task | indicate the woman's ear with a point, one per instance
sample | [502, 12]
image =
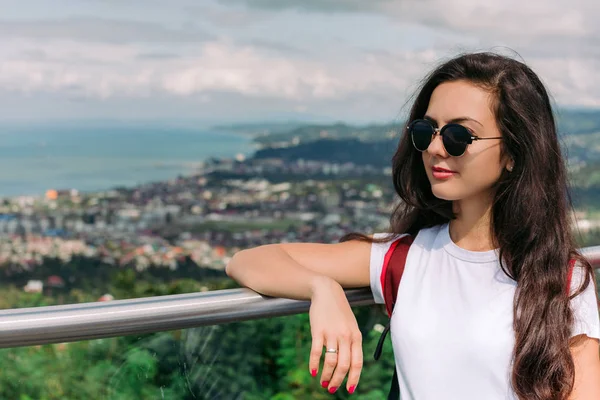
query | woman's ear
[510, 165]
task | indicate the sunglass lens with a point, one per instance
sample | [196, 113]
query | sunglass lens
[421, 132]
[456, 138]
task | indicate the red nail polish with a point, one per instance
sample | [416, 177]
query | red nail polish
[352, 388]
[313, 372]
[325, 384]
[332, 389]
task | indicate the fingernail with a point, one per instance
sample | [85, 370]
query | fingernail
[313, 372]
[352, 388]
[332, 389]
[325, 384]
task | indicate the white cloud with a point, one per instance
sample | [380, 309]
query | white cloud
[572, 81]
[108, 70]
[314, 5]
[508, 17]
[70, 67]
[103, 58]
[104, 70]
[100, 30]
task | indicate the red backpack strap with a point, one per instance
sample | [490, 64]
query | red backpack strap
[393, 268]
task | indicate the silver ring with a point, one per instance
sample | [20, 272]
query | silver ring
[331, 351]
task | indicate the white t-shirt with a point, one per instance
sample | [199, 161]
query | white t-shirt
[452, 326]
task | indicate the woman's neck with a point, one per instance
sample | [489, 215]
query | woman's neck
[471, 229]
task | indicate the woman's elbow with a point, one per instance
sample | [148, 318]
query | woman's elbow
[231, 265]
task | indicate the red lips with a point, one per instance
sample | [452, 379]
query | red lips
[442, 173]
[438, 169]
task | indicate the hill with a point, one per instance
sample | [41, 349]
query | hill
[278, 134]
[377, 153]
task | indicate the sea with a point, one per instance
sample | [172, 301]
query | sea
[95, 157]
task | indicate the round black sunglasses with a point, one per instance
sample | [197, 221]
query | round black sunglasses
[455, 137]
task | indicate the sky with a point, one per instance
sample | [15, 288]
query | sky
[231, 61]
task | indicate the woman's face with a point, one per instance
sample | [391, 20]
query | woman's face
[478, 169]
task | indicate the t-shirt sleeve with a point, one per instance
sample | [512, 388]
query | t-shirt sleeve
[584, 306]
[378, 252]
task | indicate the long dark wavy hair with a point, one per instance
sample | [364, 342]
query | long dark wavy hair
[530, 222]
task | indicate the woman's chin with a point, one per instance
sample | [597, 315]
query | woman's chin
[443, 192]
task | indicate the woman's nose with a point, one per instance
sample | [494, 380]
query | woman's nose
[436, 147]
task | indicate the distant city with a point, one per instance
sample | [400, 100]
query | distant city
[297, 187]
[207, 216]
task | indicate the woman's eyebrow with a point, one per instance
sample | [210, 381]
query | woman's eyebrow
[453, 120]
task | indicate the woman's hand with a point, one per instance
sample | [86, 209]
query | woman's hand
[334, 326]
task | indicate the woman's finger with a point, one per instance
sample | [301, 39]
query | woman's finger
[343, 364]
[356, 364]
[329, 362]
[315, 354]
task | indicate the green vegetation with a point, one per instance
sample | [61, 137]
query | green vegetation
[262, 359]
[377, 153]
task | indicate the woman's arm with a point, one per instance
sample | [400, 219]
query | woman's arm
[318, 272]
[291, 270]
[586, 356]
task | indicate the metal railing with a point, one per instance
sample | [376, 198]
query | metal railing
[67, 323]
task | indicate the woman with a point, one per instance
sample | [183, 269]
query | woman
[486, 308]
